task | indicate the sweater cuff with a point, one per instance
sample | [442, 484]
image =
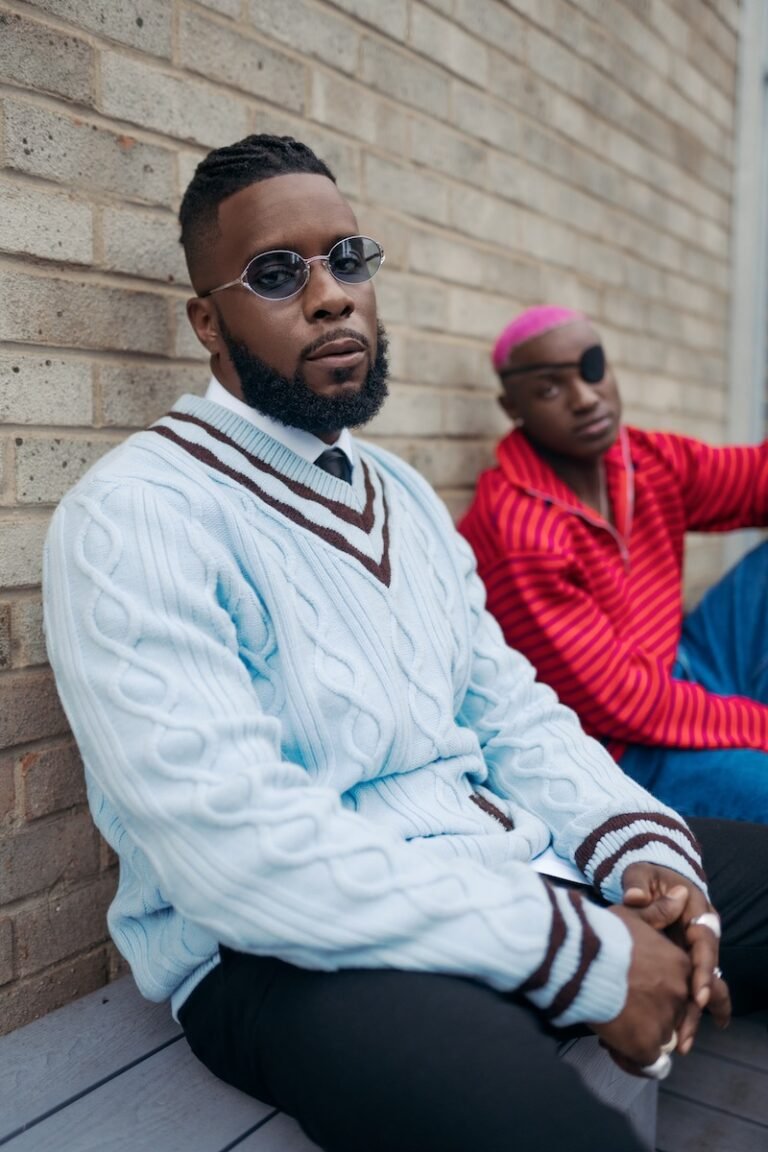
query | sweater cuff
[632, 837]
[583, 976]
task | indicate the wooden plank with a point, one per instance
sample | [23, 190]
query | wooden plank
[166, 1103]
[687, 1127]
[721, 1084]
[56, 1058]
[281, 1134]
[745, 1039]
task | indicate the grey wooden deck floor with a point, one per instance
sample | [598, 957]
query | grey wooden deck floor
[111, 1073]
[716, 1099]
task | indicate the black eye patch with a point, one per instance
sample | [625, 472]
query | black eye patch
[590, 366]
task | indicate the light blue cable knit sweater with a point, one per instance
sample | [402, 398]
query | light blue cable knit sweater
[305, 738]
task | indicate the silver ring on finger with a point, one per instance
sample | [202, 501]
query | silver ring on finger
[660, 1068]
[709, 920]
[717, 973]
[668, 1048]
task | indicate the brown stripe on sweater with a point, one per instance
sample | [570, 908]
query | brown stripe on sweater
[491, 810]
[590, 949]
[381, 570]
[586, 850]
[363, 520]
[640, 841]
[556, 937]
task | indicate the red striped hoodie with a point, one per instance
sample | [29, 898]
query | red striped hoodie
[597, 609]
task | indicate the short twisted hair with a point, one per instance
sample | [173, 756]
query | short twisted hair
[225, 171]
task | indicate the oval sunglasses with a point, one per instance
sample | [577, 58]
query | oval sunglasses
[281, 274]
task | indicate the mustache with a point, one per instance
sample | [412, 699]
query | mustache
[335, 334]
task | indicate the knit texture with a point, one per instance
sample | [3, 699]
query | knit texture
[597, 608]
[305, 738]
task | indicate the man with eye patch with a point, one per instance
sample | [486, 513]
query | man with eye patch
[335, 792]
[579, 533]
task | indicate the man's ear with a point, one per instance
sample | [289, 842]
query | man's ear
[203, 319]
[505, 403]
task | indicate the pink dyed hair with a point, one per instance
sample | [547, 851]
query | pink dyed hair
[532, 322]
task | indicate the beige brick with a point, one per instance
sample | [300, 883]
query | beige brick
[29, 707]
[143, 243]
[5, 636]
[408, 408]
[47, 468]
[443, 41]
[182, 108]
[447, 152]
[477, 415]
[450, 259]
[417, 302]
[427, 359]
[417, 84]
[486, 217]
[495, 23]
[335, 100]
[480, 315]
[53, 780]
[134, 395]
[245, 63]
[7, 790]
[82, 155]
[229, 8]
[449, 463]
[47, 853]
[57, 927]
[406, 189]
[56, 227]
[27, 633]
[134, 22]
[391, 17]
[7, 972]
[44, 59]
[44, 390]
[308, 29]
[22, 551]
[23, 1001]
[80, 314]
[485, 118]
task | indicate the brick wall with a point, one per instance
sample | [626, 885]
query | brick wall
[576, 151]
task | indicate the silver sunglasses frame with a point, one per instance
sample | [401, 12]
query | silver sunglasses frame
[307, 269]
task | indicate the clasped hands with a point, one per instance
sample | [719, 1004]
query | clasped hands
[673, 974]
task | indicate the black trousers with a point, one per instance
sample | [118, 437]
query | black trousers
[390, 1061]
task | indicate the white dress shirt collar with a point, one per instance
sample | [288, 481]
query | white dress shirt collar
[304, 444]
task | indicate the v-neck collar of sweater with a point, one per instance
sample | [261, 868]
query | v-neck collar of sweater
[352, 518]
[256, 442]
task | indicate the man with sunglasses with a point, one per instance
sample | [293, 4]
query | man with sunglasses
[579, 537]
[323, 771]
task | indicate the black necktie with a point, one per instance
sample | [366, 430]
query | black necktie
[336, 463]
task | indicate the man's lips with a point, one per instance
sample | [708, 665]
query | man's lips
[595, 426]
[335, 348]
[342, 353]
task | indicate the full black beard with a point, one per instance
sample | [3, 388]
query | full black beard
[292, 402]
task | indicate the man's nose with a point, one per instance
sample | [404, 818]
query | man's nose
[581, 395]
[324, 295]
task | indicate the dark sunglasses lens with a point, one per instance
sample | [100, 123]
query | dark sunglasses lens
[276, 275]
[592, 364]
[356, 259]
